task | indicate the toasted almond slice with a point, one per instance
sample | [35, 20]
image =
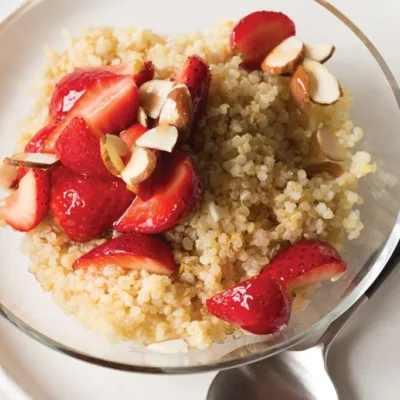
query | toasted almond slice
[330, 146]
[32, 160]
[142, 117]
[319, 52]
[152, 96]
[332, 168]
[324, 87]
[112, 150]
[178, 109]
[140, 166]
[285, 57]
[162, 137]
[171, 346]
[300, 90]
[8, 176]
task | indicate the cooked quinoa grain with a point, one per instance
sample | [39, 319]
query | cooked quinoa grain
[251, 150]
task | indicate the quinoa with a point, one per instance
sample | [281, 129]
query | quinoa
[251, 149]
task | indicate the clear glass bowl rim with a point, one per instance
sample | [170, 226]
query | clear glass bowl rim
[385, 253]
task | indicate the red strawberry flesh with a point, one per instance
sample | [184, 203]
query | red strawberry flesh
[78, 149]
[25, 208]
[257, 34]
[145, 74]
[109, 105]
[133, 133]
[131, 251]
[305, 263]
[69, 90]
[85, 207]
[195, 74]
[260, 305]
[178, 193]
[145, 190]
[36, 144]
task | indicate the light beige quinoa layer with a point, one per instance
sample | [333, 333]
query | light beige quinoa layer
[251, 150]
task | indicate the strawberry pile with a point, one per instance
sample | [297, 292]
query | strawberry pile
[105, 162]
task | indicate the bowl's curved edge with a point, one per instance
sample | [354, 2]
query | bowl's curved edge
[384, 256]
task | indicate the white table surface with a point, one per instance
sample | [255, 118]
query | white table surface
[364, 362]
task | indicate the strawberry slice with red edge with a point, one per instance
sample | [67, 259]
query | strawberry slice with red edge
[25, 208]
[145, 74]
[257, 34]
[84, 207]
[131, 251]
[195, 74]
[35, 145]
[260, 305]
[133, 133]
[78, 149]
[305, 263]
[70, 89]
[178, 193]
[145, 189]
[109, 105]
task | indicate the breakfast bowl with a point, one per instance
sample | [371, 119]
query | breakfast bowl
[270, 175]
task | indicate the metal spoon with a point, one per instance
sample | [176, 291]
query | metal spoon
[292, 375]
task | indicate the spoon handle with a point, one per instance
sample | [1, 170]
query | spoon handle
[387, 270]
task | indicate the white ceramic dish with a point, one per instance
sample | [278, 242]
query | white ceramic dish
[23, 36]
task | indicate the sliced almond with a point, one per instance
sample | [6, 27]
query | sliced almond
[332, 168]
[8, 176]
[112, 150]
[152, 96]
[300, 90]
[140, 166]
[178, 109]
[171, 346]
[319, 52]
[330, 146]
[324, 87]
[285, 57]
[32, 160]
[162, 137]
[142, 117]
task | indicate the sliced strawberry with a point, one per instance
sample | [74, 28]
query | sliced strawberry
[109, 105]
[85, 207]
[35, 145]
[260, 305]
[69, 90]
[78, 148]
[25, 208]
[130, 135]
[145, 74]
[146, 189]
[131, 251]
[257, 34]
[179, 192]
[305, 263]
[195, 74]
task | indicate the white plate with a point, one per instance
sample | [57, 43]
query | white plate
[16, 78]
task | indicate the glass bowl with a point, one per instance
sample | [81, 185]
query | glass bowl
[357, 64]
